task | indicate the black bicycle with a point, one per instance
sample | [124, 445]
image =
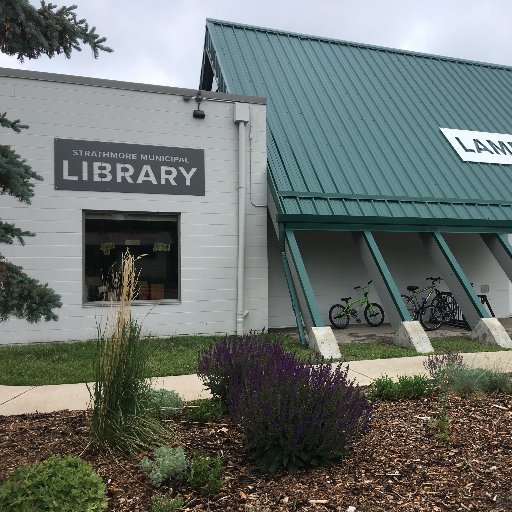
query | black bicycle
[430, 313]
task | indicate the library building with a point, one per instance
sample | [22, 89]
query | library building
[301, 168]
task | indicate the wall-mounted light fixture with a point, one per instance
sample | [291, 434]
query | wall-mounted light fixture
[198, 113]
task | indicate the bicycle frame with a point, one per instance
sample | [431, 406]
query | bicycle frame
[339, 314]
[357, 303]
[414, 296]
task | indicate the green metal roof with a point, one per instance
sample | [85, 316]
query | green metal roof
[354, 130]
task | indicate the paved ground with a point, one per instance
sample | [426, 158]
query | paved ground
[26, 399]
[361, 333]
[23, 399]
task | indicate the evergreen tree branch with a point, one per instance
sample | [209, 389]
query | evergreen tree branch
[24, 297]
[13, 125]
[9, 233]
[16, 175]
[28, 32]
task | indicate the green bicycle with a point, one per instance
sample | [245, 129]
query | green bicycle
[339, 314]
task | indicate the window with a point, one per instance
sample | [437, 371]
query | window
[153, 237]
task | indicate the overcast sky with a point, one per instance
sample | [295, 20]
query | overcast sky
[161, 41]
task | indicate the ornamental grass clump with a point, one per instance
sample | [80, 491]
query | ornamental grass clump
[122, 419]
[295, 414]
[222, 365]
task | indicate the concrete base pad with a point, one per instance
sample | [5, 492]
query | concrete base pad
[412, 335]
[491, 332]
[323, 341]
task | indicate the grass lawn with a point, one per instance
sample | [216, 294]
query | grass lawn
[363, 351]
[67, 363]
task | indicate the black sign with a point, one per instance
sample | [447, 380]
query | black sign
[113, 167]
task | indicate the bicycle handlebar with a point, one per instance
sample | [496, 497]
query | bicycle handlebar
[434, 278]
[368, 284]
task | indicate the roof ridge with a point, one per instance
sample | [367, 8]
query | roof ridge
[361, 45]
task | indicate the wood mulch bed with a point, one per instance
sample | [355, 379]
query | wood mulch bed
[399, 465]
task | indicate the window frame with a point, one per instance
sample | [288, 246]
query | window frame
[104, 303]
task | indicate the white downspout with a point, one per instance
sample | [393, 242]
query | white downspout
[241, 117]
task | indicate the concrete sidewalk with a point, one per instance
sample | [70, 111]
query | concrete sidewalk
[26, 399]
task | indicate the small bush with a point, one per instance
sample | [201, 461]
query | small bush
[467, 381]
[164, 403]
[295, 414]
[168, 462]
[441, 422]
[204, 410]
[66, 484]
[162, 503]
[206, 474]
[383, 388]
[221, 365]
[407, 388]
[414, 387]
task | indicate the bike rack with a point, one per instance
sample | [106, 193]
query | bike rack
[457, 319]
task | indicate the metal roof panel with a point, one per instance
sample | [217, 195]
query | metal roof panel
[353, 121]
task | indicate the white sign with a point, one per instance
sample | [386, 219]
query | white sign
[484, 147]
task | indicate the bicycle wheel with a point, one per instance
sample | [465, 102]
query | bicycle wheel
[409, 304]
[445, 306]
[338, 317]
[431, 317]
[374, 314]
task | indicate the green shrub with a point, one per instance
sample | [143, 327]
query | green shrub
[467, 381]
[204, 410]
[164, 403]
[206, 474]
[168, 462]
[441, 422]
[162, 503]
[63, 484]
[383, 388]
[414, 387]
[407, 387]
[499, 381]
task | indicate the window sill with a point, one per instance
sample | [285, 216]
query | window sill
[106, 303]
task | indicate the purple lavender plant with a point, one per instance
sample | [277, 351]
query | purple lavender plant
[222, 366]
[437, 364]
[295, 414]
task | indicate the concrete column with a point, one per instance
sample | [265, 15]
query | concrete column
[501, 250]
[408, 333]
[484, 328]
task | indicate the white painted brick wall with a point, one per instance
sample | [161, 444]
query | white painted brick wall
[208, 224]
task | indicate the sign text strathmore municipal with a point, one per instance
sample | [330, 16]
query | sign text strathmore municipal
[116, 167]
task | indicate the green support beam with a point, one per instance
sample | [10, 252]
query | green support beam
[294, 300]
[457, 281]
[311, 306]
[394, 306]
[387, 278]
